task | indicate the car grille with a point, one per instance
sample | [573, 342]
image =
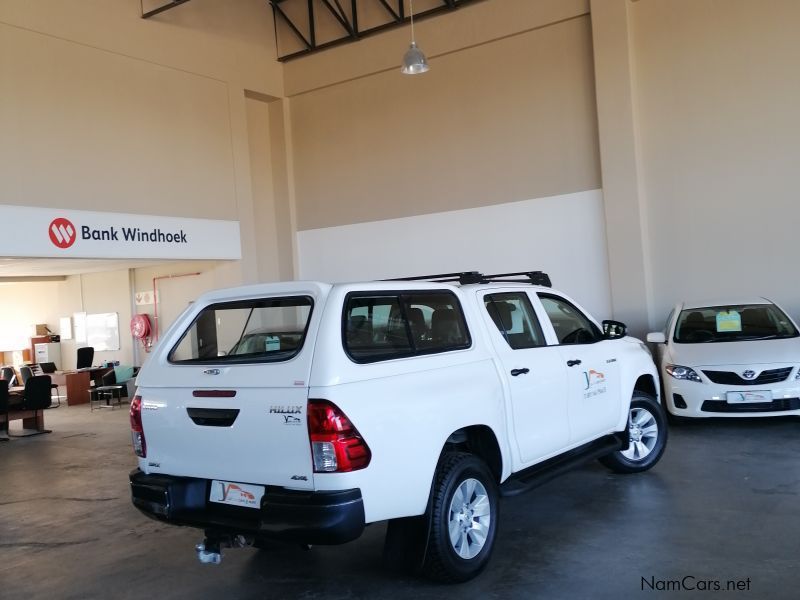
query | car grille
[731, 378]
[720, 406]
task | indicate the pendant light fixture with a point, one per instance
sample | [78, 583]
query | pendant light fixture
[414, 61]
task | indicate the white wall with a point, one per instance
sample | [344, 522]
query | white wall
[561, 235]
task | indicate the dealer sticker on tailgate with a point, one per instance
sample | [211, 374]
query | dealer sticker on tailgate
[236, 494]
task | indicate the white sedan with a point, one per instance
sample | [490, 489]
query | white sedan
[729, 359]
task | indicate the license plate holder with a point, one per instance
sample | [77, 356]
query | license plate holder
[233, 493]
[749, 397]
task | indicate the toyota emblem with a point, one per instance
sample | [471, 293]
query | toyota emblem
[748, 374]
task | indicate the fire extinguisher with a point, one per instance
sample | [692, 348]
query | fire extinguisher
[141, 330]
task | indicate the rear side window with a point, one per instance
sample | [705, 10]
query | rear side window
[257, 330]
[384, 326]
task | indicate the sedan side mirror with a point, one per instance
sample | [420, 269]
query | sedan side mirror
[613, 330]
[657, 337]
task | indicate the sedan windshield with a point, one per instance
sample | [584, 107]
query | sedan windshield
[735, 323]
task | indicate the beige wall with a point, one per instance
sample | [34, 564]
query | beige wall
[718, 92]
[682, 110]
[471, 25]
[24, 304]
[104, 110]
[510, 119]
[93, 130]
[273, 221]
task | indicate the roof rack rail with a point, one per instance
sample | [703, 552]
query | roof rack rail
[468, 277]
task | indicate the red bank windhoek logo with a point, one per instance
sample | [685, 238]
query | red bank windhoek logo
[62, 232]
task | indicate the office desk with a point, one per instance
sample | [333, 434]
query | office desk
[31, 419]
[79, 382]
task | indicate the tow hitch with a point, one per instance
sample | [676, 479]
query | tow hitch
[209, 552]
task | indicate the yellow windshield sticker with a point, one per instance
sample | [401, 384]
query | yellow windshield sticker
[729, 321]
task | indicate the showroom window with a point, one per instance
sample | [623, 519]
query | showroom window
[246, 331]
[384, 326]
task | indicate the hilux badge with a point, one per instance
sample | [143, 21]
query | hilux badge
[286, 410]
[748, 374]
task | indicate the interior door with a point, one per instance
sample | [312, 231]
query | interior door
[592, 369]
[536, 375]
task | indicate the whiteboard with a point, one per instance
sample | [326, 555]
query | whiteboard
[102, 331]
[65, 328]
[79, 318]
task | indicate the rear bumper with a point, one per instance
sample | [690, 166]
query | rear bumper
[308, 517]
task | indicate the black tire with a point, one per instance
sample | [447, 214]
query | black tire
[623, 461]
[442, 561]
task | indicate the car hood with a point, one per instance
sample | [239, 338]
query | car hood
[735, 353]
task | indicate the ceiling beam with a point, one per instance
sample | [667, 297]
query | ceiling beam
[306, 32]
[160, 9]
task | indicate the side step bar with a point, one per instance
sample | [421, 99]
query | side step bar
[537, 475]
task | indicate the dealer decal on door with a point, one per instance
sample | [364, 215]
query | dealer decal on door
[595, 383]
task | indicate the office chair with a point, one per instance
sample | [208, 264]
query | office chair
[8, 374]
[47, 369]
[4, 406]
[85, 357]
[36, 397]
[26, 373]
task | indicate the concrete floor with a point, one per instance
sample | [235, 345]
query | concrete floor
[722, 504]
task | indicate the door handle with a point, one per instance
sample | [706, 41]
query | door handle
[572, 363]
[523, 371]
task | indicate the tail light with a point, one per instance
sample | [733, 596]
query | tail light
[336, 445]
[137, 432]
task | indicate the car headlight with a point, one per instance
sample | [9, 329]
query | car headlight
[685, 373]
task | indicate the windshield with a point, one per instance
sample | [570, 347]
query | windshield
[734, 323]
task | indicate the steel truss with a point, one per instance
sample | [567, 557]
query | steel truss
[348, 21]
[304, 29]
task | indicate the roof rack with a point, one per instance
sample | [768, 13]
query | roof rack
[468, 277]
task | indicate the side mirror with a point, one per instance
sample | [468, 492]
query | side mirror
[657, 337]
[613, 330]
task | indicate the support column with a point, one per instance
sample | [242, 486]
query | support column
[625, 208]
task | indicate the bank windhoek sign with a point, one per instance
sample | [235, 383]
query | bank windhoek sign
[52, 232]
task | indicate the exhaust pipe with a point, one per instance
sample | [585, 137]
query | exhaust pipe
[209, 552]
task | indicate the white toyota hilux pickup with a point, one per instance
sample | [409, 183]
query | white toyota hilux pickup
[305, 411]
